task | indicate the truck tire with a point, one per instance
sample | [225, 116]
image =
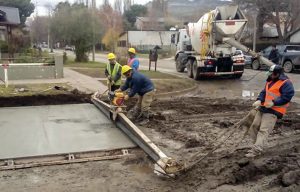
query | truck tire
[255, 64]
[288, 67]
[196, 71]
[189, 67]
[179, 66]
[237, 76]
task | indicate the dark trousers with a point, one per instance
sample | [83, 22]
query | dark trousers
[115, 87]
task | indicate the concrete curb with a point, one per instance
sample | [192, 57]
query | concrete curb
[175, 93]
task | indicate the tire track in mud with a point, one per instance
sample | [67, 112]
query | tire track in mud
[196, 123]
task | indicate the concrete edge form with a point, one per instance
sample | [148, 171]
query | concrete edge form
[61, 159]
[169, 165]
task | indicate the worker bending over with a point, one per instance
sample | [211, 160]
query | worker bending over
[133, 61]
[141, 85]
[271, 105]
[113, 73]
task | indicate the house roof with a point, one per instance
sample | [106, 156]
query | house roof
[293, 32]
[147, 19]
[9, 15]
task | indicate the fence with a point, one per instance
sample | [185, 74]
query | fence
[22, 71]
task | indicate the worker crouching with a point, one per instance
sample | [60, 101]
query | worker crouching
[141, 85]
[113, 73]
[271, 105]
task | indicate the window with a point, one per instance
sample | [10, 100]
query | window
[292, 48]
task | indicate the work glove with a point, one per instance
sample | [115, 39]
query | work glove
[126, 97]
[109, 78]
[269, 104]
[112, 82]
[257, 103]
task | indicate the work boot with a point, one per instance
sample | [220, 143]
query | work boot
[253, 153]
[134, 113]
[144, 115]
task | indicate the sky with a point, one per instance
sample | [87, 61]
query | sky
[41, 10]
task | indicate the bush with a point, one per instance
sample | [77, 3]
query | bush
[65, 57]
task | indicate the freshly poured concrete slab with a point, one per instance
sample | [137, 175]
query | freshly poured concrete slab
[57, 129]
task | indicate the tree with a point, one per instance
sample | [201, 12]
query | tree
[280, 13]
[113, 23]
[109, 39]
[135, 11]
[75, 24]
[26, 8]
[39, 29]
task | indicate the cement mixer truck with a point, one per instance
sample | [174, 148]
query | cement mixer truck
[207, 48]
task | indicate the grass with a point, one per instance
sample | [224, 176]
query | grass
[89, 64]
[32, 89]
[99, 73]
[167, 85]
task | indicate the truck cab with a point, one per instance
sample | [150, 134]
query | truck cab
[183, 48]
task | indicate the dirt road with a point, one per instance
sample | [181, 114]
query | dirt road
[182, 127]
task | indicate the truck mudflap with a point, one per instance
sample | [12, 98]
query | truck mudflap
[220, 73]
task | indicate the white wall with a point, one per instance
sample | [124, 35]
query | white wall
[295, 38]
[150, 38]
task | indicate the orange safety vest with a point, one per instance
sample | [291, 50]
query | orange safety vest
[273, 93]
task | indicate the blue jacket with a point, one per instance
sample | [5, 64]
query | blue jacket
[135, 64]
[274, 56]
[287, 92]
[138, 84]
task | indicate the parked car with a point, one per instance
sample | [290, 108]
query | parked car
[69, 48]
[248, 58]
[289, 57]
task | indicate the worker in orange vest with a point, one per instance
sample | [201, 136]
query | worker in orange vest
[271, 105]
[133, 61]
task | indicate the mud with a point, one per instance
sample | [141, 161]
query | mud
[72, 97]
[182, 128]
[194, 125]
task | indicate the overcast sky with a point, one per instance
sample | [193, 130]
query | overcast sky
[40, 4]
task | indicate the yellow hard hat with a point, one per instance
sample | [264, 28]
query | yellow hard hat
[131, 50]
[125, 69]
[111, 56]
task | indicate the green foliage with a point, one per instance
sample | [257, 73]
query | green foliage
[135, 11]
[25, 7]
[3, 46]
[65, 57]
[75, 24]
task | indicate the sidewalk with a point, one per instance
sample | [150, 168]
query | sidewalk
[77, 80]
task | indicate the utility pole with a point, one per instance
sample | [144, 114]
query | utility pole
[254, 31]
[94, 16]
[49, 7]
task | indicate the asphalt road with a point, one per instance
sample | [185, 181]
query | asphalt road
[251, 83]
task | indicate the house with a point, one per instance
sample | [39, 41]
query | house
[149, 23]
[294, 37]
[9, 17]
[146, 40]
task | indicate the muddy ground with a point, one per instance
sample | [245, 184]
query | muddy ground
[183, 127]
[66, 97]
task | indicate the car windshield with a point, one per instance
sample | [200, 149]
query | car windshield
[292, 48]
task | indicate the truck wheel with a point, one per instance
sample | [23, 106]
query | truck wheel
[255, 65]
[189, 67]
[179, 66]
[196, 71]
[237, 76]
[288, 67]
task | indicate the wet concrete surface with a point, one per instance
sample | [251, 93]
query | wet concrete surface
[57, 129]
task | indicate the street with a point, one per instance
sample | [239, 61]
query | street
[251, 83]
